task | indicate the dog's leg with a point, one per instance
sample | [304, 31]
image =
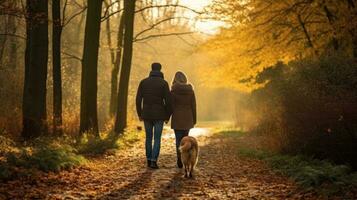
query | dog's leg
[186, 174]
[191, 170]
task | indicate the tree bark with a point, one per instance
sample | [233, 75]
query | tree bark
[116, 67]
[36, 57]
[88, 113]
[121, 117]
[13, 43]
[307, 35]
[353, 30]
[331, 21]
[76, 48]
[351, 4]
[354, 42]
[109, 38]
[56, 60]
[3, 38]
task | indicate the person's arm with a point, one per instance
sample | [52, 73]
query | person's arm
[193, 106]
[139, 100]
[167, 99]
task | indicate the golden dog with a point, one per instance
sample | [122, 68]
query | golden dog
[189, 154]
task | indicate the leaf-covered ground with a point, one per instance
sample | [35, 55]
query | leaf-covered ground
[220, 174]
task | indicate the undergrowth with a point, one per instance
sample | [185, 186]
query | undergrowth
[46, 158]
[89, 145]
[312, 174]
[57, 154]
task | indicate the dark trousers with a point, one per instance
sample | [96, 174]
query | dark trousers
[179, 134]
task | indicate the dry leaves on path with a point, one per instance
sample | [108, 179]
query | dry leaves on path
[220, 174]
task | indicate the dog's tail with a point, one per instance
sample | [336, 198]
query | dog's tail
[185, 147]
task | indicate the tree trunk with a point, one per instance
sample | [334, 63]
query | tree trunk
[56, 58]
[3, 38]
[111, 52]
[307, 35]
[353, 30]
[116, 67]
[13, 43]
[351, 4]
[76, 48]
[354, 43]
[12, 40]
[88, 113]
[36, 57]
[121, 117]
[331, 21]
[109, 39]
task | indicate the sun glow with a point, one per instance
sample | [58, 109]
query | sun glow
[206, 26]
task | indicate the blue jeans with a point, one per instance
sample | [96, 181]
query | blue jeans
[153, 128]
[179, 134]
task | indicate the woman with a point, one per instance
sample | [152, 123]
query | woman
[183, 109]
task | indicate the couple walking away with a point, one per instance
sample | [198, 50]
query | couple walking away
[156, 103]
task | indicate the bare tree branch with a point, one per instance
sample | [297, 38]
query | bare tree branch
[153, 6]
[74, 16]
[64, 11]
[71, 56]
[13, 35]
[156, 24]
[168, 5]
[108, 6]
[160, 35]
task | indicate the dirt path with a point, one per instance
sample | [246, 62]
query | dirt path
[221, 174]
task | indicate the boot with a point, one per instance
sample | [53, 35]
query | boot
[154, 165]
[148, 163]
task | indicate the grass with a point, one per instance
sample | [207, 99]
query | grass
[56, 154]
[89, 145]
[311, 174]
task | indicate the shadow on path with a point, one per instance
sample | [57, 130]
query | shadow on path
[131, 189]
[172, 189]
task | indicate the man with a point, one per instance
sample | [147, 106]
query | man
[153, 107]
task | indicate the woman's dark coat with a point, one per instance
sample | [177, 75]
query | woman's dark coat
[183, 107]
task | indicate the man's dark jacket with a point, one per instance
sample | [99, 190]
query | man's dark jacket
[153, 98]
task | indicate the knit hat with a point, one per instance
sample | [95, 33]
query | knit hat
[156, 66]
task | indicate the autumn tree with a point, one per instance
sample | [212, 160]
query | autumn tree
[56, 62]
[36, 57]
[261, 32]
[8, 37]
[121, 117]
[13, 40]
[88, 110]
[115, 54]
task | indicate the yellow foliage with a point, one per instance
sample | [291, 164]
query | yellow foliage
[263, 32]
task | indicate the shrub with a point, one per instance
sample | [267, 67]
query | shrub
[95, 145]
[5, 172]
[91, 145]
[310, 107]
[47, 158]
[307, 172]
[6, 145]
